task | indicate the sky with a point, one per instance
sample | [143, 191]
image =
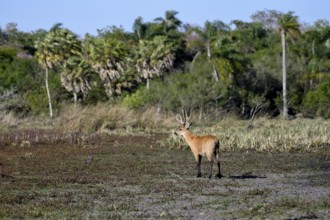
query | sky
[86, 16]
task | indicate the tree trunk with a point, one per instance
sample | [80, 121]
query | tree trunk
[209, 56]
[215, 74]
[208, 48]
[313, 47]
[148, 83]
[48, 95]
[285, 101]
[75, 98]
[195, 57]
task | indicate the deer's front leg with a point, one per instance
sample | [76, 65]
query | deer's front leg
[198, 167]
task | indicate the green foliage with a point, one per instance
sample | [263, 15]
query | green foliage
[22, 76]
[57, 46]
[95, 95]
[195, 91]
[7, 55]
[154, 57]
[36, 99]
[207, 68]
[289, 23]
[21, 71]
[137, 99]
[224, 68]
[318, 100]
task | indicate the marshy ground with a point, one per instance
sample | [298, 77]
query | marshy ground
[132, 177]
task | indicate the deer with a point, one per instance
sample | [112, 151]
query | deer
[200, 146]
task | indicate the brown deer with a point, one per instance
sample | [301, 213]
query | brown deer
[200, 145]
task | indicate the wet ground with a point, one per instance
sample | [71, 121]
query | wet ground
[133, 177]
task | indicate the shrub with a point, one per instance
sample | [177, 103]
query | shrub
[191, 91]
[318, 100]
[136, 99]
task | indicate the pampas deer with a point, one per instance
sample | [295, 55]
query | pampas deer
[200, 145]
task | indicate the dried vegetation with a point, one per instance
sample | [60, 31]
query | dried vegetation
[110, 162]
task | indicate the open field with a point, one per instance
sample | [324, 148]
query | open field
[125, 176]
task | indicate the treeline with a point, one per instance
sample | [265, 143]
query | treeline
[216, 68]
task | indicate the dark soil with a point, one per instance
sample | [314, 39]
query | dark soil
[134, 177]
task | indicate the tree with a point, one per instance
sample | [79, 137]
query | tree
[268, 18]
[317, 44]
[204, 37]
[170, 22]
[56, 47]
[288, 23]
[75, 76]
[318, 99]
[139, 28]
[107, 55]
[154, 57]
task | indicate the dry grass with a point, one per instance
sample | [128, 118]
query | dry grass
[66, 168]
[265, 134]
[275, 135]
[111, 118]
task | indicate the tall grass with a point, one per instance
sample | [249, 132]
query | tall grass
[112, 118]
[272, 134]
[264, 134]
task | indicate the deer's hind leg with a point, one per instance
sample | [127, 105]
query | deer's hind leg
[217, 156]
[198, 158]
[211, 161]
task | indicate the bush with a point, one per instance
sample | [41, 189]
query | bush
[318, 100]
[95, 95]
[191, 91]
[136, 99]
[11, 101]
[7, 56]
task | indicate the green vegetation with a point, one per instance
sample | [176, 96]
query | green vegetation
[169, 65]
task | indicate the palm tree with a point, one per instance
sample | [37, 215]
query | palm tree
[44, 49]
[206, 36]
[139, 28]
[288, 23]
[75, 76]
[107, 56]
[170, 22]
[56, 47]
[154, 57]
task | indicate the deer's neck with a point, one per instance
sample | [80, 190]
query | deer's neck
[188, 136]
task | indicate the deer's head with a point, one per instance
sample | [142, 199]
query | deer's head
[184, 123]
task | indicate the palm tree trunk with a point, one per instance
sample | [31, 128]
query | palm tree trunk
[215, 74]
[285, 101]
[195, 57]
[75, 98]
[209, 56]
[48, 95]
[208, 49]
[148, 83]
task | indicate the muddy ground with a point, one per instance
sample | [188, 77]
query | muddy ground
[129, 177]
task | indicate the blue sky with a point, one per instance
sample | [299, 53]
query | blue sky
[86, 16]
